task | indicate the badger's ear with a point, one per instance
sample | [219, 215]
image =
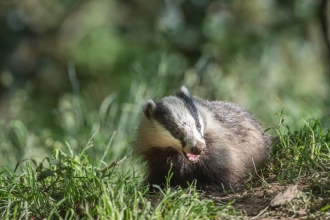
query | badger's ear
[183, 92]
[148, 108]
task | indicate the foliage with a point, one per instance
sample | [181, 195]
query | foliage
[222, 49]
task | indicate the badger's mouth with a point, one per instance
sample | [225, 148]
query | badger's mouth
[191, 157]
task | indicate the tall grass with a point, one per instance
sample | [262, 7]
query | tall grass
[301, 153]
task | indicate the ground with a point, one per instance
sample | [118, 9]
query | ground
[313, 202]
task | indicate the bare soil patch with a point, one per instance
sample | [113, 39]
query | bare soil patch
[313, 201]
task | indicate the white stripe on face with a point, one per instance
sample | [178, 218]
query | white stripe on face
[202, 123]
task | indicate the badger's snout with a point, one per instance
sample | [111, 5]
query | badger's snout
[197, 151]
[197, 148]
[193, 152]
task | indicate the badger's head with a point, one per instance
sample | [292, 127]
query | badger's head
[175, 122]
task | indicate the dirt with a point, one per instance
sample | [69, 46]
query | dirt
[311, 199]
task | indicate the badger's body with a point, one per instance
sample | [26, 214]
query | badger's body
[218, 144]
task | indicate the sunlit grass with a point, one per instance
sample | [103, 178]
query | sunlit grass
[301, 153]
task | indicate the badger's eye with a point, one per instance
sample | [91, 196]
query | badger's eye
[175, 132]
[198, 126]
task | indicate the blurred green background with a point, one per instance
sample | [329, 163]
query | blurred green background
[70, 67]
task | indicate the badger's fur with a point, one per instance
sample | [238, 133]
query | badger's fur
[216, 143]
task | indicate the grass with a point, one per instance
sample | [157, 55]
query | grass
[66, 185]
[301, 152]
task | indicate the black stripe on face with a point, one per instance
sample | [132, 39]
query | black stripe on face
[190, 105]
[164, 116]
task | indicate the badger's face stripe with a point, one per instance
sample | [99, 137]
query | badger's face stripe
[165, 117]
[190, 105]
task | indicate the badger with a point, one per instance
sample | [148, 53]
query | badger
[217, 144]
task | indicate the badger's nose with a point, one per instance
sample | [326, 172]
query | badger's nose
[201, 146]
[196, 150]
[199, 149]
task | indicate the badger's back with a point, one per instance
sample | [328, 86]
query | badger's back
[236, 146]
[236, 142]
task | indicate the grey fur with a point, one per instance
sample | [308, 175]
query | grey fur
[225, 142]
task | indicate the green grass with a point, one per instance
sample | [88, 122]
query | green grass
[301, 153]
[66, 185]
